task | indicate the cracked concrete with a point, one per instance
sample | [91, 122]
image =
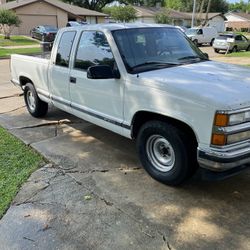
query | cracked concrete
[95, 195]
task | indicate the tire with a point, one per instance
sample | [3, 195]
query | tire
[166, 153]
[234, 49]
[34, 104]
[248, 48]
[216, 50]
[212, 42]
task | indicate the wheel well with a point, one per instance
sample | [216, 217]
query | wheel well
[142, 117]
[24, 80]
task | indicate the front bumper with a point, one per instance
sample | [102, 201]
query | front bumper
[220, 160]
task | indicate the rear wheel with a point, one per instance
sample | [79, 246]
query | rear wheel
[248, 48]
[234, 49]
[34, 104]
[216, 50]
[166, 152]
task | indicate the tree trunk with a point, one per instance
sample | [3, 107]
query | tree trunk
[208, 9]
[199, 18]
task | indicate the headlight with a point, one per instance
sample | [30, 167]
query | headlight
[242, 136]
[224, 135]
[224, 120]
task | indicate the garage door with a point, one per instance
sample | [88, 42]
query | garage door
[31, 21]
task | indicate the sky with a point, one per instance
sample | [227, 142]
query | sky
[235, 1]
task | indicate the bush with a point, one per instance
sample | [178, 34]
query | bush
[8, 20]
[121, 13]
[163, 17]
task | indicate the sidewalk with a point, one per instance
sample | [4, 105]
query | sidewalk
[21, 47]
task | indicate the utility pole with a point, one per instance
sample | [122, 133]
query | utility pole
[193, 15]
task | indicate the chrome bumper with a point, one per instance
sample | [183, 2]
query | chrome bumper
[224, 159]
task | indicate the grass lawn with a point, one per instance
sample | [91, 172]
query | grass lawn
[17, 162]
[7, 52]
[240, 54]
[17, 41]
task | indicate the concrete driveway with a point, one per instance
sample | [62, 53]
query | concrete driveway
[93, 194]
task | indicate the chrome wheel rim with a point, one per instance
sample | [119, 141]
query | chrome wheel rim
[160, 153]
[31, 100]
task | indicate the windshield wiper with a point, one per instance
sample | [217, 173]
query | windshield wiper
[191, 58]
[156, 64]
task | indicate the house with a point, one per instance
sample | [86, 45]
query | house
[48, 12]
[147, 14]
[238, 21]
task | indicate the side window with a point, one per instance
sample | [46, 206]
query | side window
[200, 32]
[244, 38]
[93, 49]
[64, 48]
[238, 38]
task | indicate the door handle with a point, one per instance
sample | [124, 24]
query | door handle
[72, 79]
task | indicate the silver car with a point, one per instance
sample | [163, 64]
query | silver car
[231, 42]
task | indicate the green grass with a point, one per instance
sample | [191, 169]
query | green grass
[240, 54]
[17, 41]
[17, 162]
[8, 52]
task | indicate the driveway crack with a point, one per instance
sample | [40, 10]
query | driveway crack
[11, 96]
[12, 110]
[59, 122]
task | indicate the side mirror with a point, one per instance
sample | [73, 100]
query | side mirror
[206, 55]
[102, 72]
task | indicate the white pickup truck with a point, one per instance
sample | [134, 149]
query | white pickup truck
[148, 83]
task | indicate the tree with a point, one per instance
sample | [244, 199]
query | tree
[201, 5]
[174, 4]
[8, 20]
[121, 13]
[89, 4]
[163, 17]
[240, 6]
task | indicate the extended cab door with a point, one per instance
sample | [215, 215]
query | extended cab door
[97, 100]
[59, 71]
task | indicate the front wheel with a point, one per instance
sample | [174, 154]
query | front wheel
[166, 152]
[212, 42]
[34, 104]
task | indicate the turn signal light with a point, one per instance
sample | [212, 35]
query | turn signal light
[219, 139]
[221, 120]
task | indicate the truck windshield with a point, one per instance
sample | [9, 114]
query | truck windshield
[191, 32]
[144, 49]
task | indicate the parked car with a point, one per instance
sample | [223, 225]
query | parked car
[231, 42]
[75, 23]
[45, 33]
[202, 35]
[149, 83]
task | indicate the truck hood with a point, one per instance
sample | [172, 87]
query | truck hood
[221, 85]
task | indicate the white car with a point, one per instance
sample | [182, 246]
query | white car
[151, 84]
[231, 42]
[202, 35]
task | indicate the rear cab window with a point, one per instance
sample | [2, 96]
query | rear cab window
[64, 48]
